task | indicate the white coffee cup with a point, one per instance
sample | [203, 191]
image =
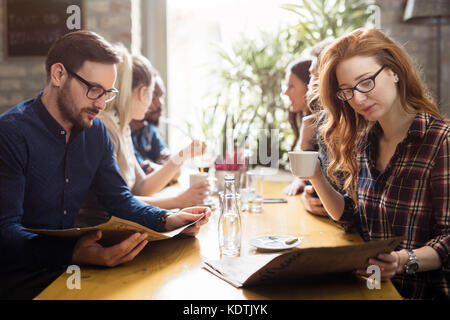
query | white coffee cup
[196, 178]
[303, 163]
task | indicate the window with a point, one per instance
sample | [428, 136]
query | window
[192, 28]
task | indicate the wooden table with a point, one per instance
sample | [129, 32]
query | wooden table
[172, 269]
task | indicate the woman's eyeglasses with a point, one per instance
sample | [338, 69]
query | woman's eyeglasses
[363, 86]
[95, 92]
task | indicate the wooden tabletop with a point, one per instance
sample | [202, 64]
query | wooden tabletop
[172, 269]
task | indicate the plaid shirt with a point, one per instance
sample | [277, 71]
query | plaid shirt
[411, 198]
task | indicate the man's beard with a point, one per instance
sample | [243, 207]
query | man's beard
[69, 111]
[153, 117]
[154, 122]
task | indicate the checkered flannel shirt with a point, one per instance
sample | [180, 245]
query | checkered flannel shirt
[411, 199]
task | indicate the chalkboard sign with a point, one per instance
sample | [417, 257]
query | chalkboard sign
[33, 26]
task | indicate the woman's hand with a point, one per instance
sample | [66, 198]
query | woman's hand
[318, 174]
[193, 196]
[295, 187]
[146, 165]
[196, 148]
[312, 202]
[388, 263]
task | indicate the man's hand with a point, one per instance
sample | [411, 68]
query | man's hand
[313, 204]
[187, 216]
[89, 251]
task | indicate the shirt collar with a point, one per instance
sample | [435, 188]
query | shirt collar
[419, 125]
[52, 125]
[417, 130]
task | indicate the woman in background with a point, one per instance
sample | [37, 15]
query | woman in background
[135, 81]
[297, 77]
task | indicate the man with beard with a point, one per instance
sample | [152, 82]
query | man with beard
[150, 149]
[53, 149]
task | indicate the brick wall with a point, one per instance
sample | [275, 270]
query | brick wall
[420, 42]
[23, 78]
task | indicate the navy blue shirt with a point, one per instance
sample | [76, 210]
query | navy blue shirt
[44, 180]
[148, 143]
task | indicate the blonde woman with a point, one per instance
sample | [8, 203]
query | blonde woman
[135, 82]
[385, 135]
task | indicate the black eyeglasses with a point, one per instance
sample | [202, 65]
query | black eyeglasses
[363, 86]
[95, 92]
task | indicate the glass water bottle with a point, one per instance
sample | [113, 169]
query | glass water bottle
[230, 220]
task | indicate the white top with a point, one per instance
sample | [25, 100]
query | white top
[129, 167]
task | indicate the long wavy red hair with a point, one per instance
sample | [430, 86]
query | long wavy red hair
[343, 129]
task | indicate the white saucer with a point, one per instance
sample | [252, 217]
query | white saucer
[274, 242]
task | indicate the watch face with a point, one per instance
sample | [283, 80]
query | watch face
[412, 268]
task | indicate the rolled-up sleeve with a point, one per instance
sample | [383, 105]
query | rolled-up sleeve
[440, 188]
[350, 217]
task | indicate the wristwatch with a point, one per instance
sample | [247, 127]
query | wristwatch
[163, 221]
[412, 265]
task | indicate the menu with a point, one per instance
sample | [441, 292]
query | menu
[297, 263]
[114, 230]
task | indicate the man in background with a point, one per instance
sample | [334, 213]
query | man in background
[150, 149]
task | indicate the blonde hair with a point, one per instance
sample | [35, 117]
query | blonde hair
[343, 129]
[134, 72]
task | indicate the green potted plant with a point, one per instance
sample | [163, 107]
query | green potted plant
[252, 72]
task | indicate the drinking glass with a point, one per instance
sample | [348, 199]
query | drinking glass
[252, 191]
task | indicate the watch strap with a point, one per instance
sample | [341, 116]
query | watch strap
[412, 264]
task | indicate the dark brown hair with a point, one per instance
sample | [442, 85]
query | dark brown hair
[299, 68]
[74, 48]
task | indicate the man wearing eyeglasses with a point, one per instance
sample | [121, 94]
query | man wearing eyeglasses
[53, 149]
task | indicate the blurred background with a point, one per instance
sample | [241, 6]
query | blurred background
[223, 61]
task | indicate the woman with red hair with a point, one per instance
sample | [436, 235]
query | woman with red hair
[388, 147]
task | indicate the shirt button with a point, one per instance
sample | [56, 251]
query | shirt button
[65, 212]
[63, 132]
[67, 180]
